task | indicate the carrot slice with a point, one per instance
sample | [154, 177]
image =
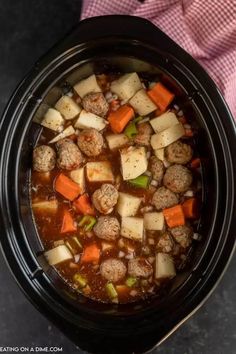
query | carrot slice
[83, 205]
[174, 216]
[120, 118]
[66, 187]
[195, 163]
[161, 96]
[90, 254]
[68, 224]
[190, 208]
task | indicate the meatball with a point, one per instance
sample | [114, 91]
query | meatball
[144, 134]
[177, 178]
[178, 152]
[157, 169]
[139, 267]
[166, 243]
[182, 235]
[69, 155]
[113, 269]
[90, 142]
[164, 198]
[107, 228]
[44, 158]
[105, 198]
[96, 103]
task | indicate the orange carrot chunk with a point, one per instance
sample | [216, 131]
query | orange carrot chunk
[161, 96]
[68, 224]
[195, 163]
[120, 118]
[190, 208]
[91, 254]
[83, 205]
[174, 216]
[66, 187]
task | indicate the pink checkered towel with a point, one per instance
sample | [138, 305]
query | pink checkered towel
[204, 28]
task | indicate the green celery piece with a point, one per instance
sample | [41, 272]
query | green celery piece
[138, 119]
[131, 281]
[111, 291]
[131, 130]
[88, 222]
[78, 278]
[140, 181]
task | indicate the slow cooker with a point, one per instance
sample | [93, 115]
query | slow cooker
[125, 44]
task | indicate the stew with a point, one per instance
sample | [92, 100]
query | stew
[116, 186]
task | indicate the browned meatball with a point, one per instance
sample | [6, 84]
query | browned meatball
[166, 243]
[95, 103]
[182, 235]
[164, 198]
[90, 142]
[178, 152]
[144, 134]
[113, 269]
[105, 198]
[107, 228]
[177, 178]
[44, 158]
[69, 155]
[139, 267]
[157, 169]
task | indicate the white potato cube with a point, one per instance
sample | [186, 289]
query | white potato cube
[141, 103]
[126, 86]
[58, 254]
[47, 206]
[133, 162]
[160, 154]
[78, 177]
[167, 137]
[66, 132]
[90, 120]
[132, 227]
[165, 267]
[116, 141]
[165, 121]
[128, 204]
[100, 171]
[88, 85]
[68, 107]
[154, 221]
[53, 120]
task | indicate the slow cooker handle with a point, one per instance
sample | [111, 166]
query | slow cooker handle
[118, 26]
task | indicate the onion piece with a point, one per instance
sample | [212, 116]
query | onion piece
[154, 183]
[148, 173]
[144, 120]
[121, 254]
[77, 258]
[189, 193]
[197, 236]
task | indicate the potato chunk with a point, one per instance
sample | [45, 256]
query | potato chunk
[132, 227]
[163, 122]
[128, 204]
[68, 107]
[126, 86]
[90, 120]
[160, 154]
[66, 132]
[53, 120]
[88, 85]
[154, 221]
[47, 206]
[141, 103]
[167, 137]
[58, 254]
[165, 267]
[78, 177]
[133, 162]
[116, 141]
[100, 171]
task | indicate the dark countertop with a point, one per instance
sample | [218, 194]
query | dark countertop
[27, 29]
